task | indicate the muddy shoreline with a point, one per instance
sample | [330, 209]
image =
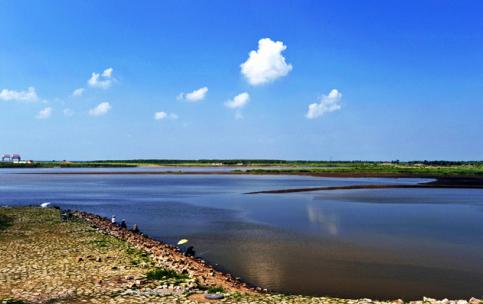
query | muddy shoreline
[461, 183]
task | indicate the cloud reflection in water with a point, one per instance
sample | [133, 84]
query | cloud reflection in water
[327, 221]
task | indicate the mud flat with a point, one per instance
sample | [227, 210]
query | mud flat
[86, 259]
[440, 182]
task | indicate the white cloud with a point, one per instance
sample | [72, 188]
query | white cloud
[103, 80]
[265, 64]
[78, 92]
[239, 101]
[44, 113]
[327, 103]
[100, 109]
[160, 115]
[68, 112]
[163, 115]
[30, 95]
[107, 73]
[196, 95]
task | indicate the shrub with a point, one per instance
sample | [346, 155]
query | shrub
[165, 274]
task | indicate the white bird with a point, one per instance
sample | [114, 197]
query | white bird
[45, 205]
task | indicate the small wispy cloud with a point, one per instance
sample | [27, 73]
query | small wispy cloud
[101, 80]
[100, 109]
[44, 113]
[196, 95]
[68, 112]
[326, 104]
[163, 115]
[239, 101]
[29, 95]
[107, 73]
[266, 64]
[78, 92]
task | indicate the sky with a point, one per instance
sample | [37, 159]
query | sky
[314, 80]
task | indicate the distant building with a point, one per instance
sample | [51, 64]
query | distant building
[6, 157]
[15, 158]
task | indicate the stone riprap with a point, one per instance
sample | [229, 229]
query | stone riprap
[167, 255]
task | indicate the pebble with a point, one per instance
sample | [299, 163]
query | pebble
[475, 301]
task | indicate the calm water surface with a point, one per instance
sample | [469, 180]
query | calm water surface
[378, 243]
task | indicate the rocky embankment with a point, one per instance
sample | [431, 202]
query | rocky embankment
[167, 255]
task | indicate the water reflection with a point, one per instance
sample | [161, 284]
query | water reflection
[325, 219]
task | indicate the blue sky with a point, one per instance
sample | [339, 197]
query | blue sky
[386, 79]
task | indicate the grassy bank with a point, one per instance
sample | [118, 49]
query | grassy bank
[430, 169]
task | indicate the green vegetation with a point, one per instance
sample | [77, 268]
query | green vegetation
[417, 168]
[12, 301]
[5, 222]
[164, 274]
[236, 296]
[101, 243]
[211, 289]
[137, 256]
[216, 289]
